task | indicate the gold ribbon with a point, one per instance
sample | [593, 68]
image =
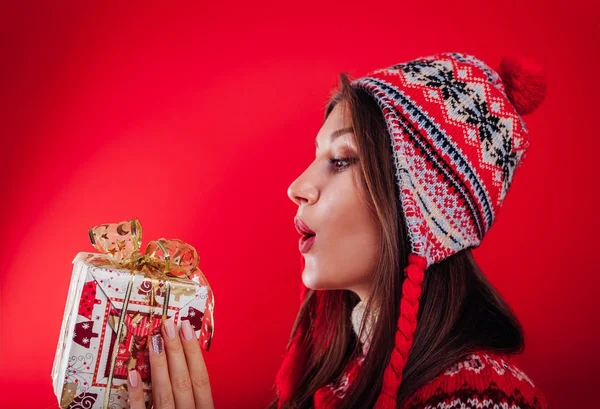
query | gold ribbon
[119, 245]
[165, 258]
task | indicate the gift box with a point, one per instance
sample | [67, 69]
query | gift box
[117, 299]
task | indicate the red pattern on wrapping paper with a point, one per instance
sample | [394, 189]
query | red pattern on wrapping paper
[103, 333]
[137, 334]
[85, 400]
[88, 300]
[101, 346]
[195, 317]
[84, 333]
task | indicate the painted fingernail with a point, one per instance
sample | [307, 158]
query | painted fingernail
[170, 329]
[157, 343]
[133, 378]
[188, 332]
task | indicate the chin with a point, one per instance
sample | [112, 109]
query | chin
[314, 282]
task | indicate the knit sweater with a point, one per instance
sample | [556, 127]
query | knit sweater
[481, 380]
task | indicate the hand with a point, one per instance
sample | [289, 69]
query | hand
[179, 375]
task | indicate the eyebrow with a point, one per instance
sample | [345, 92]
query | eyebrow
[337, 133]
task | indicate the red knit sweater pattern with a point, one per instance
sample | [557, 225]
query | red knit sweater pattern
[481, 380]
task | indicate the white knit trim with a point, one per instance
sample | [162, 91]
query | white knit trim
[357, 317]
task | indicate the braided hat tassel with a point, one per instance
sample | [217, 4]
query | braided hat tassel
[407, 324]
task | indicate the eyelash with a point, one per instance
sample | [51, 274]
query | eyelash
[333, 161]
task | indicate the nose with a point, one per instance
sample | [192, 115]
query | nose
[302, 191]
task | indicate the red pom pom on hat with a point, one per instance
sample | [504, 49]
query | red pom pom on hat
[525, 83]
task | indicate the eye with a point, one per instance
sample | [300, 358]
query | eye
[344, 161]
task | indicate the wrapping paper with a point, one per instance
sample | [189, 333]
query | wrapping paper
[91, 362]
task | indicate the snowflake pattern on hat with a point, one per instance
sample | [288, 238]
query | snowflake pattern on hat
[457, 142]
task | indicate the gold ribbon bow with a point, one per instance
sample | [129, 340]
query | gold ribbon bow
[119, 245]
[163, 257]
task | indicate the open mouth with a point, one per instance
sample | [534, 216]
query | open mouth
[307, 238]
[306, 242]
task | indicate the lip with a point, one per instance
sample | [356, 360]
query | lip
[308, 236]
[302, 227]
[306, 243]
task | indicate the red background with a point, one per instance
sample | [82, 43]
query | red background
[197, 119]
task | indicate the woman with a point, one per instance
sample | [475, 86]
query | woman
[412, 165]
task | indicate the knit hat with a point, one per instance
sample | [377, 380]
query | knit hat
[457, 137]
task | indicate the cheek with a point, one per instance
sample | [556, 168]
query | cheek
[342, 260]
[347, 244]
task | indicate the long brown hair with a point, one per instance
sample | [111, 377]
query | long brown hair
[460, 311]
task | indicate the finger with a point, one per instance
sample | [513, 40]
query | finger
[196, 366]
[135, 391]
[178, 369]
[162, 394]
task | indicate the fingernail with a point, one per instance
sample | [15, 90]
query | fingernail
[188, 332]
[170, 328]
[133, 378]
[157, 343]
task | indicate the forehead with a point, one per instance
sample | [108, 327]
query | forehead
[337, 127]
[339, 117]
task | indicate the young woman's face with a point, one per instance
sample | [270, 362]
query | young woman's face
[344, 251]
